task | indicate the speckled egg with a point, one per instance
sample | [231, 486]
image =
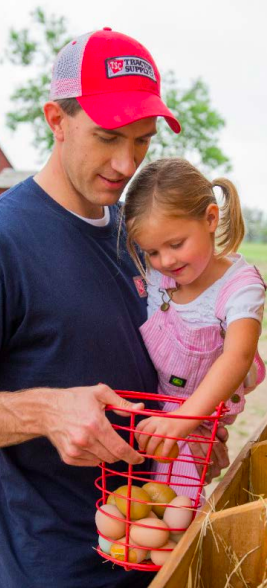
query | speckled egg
[138, 510]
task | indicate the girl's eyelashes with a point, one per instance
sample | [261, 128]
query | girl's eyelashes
[151, 253]
[177, 245]
[172, 245]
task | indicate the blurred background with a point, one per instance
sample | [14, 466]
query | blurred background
[212, 57]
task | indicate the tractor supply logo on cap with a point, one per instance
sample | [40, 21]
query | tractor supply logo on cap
[129, 66]
[179, 382]
[140, 286]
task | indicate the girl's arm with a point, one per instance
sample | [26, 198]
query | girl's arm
[219, 384]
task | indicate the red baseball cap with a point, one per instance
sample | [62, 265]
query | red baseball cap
[113, 77]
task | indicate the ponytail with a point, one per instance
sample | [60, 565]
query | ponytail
[231, 228]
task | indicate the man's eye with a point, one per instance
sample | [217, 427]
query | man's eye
[107, 139]
[144, 141]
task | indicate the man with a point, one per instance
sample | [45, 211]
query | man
[71, 310]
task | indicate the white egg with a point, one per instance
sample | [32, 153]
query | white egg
[112, 528]
[176, 537]
[104, 544]
[178, 514]
[152, 515]
[148, 536]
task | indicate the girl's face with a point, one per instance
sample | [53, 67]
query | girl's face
[180, 248]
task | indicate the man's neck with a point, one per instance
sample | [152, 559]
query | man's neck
[53, 181]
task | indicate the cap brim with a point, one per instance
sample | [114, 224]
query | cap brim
[118, 109]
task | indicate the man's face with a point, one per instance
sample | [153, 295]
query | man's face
[98, 163]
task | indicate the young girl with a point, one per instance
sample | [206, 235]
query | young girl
[205, 303]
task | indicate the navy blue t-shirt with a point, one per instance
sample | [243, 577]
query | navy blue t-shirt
[70, 313]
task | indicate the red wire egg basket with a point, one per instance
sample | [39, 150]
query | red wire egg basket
[172, 474]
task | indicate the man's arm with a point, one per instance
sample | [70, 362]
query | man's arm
[72, 419]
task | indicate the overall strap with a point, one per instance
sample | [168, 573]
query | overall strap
[167, 283]
[245, 277]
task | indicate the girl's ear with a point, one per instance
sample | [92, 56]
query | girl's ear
[212, 217]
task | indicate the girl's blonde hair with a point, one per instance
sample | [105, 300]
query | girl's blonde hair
[178, 189]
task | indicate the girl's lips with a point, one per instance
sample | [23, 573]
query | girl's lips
[113, 184]
[177, 271]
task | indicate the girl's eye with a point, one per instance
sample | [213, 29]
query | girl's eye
[152, 253]
[177, 245]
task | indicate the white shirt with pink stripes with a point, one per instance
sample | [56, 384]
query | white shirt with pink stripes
[247, 302]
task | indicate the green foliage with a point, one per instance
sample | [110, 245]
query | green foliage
[200, 123]
[38, 46]
[256, 225]
[24, 49]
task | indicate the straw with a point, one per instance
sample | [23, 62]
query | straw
[197, 582]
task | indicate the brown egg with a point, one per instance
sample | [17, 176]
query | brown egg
[138, 510]
[111, 499]
[107, 525]
[172, 454]
[135, 555]
[159, 493]
[181, 516]
[159, 557]
[148, 536]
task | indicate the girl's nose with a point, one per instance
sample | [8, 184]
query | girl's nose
[168, 259]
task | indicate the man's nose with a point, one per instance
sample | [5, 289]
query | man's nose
[124, 162]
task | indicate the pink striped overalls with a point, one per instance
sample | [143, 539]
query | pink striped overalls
[184, 354]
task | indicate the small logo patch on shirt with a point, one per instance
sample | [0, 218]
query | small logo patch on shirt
[140, 286]
[129, 66]
[179, 382]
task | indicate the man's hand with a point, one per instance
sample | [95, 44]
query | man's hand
[76, 424]
[219, 454]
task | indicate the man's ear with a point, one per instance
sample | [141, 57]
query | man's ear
[212, 216]
[55, 117]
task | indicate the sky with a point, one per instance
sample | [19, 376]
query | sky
[223, 42]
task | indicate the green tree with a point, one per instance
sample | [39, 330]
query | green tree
[200, 123]
[35, 47]
[38, 46]
[256, 225]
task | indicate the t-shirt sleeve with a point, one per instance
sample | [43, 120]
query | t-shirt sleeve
[154, 297]
[248, 302]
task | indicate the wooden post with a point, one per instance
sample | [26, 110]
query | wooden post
[231, 492]
[258, 468]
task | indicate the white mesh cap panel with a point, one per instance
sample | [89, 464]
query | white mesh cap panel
[66, 76]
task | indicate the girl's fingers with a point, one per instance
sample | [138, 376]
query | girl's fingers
[152, 445]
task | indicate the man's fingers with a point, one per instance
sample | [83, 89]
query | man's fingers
[118, 447]
[222, 433]
[123, 406]
[130, 406]
[220, 455]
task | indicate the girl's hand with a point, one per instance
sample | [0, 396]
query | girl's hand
[147, 430]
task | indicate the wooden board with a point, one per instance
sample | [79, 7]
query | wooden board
[231, 492]
[237, 541]
[258, 468]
